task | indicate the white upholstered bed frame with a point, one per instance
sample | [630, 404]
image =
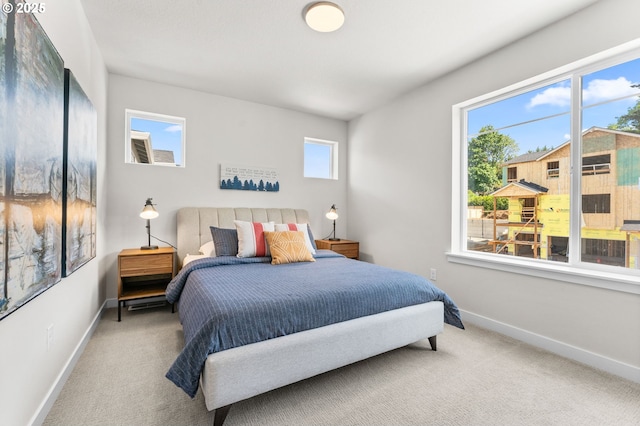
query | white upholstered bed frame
[240, 373]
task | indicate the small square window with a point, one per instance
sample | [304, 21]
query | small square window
[553, 169]
[320, 159]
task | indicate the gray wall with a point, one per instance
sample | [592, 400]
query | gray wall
[218, 130]
[30, 371]
[400, 167]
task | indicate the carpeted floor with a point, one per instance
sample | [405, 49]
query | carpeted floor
[476, 377]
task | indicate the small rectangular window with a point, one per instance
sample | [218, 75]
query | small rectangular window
[154, 139]
[320, 159]
[596, 164]
[597, 203]
[553, 169]
[512, 174]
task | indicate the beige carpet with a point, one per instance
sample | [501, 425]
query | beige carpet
[476, 377]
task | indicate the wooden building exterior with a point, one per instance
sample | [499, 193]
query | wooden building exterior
[538, 188]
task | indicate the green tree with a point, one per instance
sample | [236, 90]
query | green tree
[486, 154]
[540, 149]
[629, 122]
[486, 201]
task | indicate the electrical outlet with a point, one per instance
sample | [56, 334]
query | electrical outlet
[49, 336]
[433, 275]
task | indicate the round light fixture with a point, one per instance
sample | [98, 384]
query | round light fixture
[324, 16]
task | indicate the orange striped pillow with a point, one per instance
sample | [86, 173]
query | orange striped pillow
[288, 247]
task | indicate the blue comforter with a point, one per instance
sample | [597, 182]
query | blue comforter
[226, 302]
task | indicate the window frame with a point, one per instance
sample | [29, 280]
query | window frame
[553, 169]
[591, 202]
[596, 168]
[163, 119]
[575, 271]
[333, 157]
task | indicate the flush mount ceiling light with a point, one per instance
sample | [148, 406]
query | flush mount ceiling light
[324, 16]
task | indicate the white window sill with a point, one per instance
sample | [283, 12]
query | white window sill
[550, 270]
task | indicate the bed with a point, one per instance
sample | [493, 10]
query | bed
[274, 342]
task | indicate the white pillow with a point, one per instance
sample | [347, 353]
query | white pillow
[191, 257]
[208, 249]
[251, 239]
[298, 227]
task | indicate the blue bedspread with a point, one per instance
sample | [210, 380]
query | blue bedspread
[226, 302]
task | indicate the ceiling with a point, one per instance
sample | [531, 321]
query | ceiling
[262, 51]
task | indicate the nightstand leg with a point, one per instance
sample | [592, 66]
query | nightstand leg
[119, 308]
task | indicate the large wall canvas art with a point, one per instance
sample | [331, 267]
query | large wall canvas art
[79, 177]
[31, 147]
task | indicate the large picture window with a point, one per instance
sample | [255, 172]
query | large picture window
[518, 147]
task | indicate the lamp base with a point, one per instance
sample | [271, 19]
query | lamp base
[334, 239]
[149, 248]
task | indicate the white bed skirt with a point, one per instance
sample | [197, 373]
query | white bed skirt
[240, 373]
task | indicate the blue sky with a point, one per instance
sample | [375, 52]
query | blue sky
[550, 105]
[317, 160]
[166, 136]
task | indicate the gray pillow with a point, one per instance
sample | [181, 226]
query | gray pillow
[225, 240]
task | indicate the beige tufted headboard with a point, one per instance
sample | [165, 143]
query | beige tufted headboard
[194, 223]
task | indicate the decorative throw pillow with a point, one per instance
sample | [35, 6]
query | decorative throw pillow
[251, 241]
[288, 247]
[208, 249]
[225, 240]
[311, 239]
[304, 228]
[191, 257]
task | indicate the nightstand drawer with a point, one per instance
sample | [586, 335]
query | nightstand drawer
[348, 250]
[146, 265]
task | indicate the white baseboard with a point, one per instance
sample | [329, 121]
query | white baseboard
[44, 408]
[583, 356]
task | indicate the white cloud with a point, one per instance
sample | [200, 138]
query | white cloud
[556, 96]
[600, 90]
[174, 128]
[596, 91]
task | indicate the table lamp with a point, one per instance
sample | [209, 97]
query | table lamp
[149, 212]
[333, 215]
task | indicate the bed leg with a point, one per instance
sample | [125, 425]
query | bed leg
[432, 342]
[220, 415]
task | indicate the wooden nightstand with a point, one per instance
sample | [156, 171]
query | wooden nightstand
[144, 273]
[348, 248]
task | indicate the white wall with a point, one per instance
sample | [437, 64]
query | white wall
[400, 166]
[399, 163]
[29, 371]
[218, 130]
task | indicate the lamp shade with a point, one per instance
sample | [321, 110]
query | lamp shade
[149, 212]
[324, 16]
[332, 214]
